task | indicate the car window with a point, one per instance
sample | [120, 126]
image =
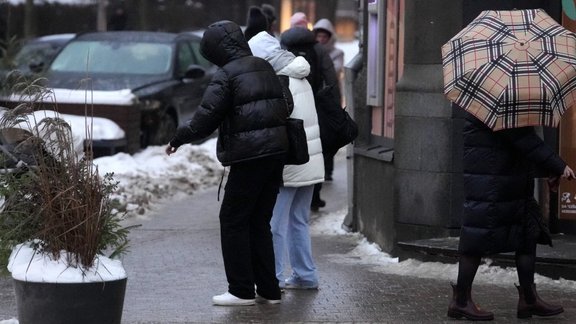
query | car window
[185, 58]
[199, 58]
[35, 52]
[114, 57]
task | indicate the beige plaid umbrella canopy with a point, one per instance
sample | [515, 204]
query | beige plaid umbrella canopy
[512, 69]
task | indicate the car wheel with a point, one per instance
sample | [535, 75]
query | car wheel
[165, 131]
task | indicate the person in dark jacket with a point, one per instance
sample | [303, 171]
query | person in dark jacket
[302, 42]
[118, 20]
[500, 212]
[246, 102]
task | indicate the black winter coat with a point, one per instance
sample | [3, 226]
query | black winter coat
[499, 172]
[244, 100]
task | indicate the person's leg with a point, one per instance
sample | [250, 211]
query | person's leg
[235, 213]
[299, 242]
[242, 196]
[328, 165]
[526, 266]
[467, 268]
[279, 225]
[317, 202]
[462, 304]
[529, 303]
[261, 245]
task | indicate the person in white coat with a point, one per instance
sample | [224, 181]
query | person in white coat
[290, 229]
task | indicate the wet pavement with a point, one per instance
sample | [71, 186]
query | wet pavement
[175, 267]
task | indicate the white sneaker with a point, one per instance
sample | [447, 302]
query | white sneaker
[227, 299]
[262, 300]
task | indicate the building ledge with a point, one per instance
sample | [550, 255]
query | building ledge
[556, 262]
[378, 152]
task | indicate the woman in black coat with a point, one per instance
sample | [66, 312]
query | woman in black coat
[246, 102]
[500, 212]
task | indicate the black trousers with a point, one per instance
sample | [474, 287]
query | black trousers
[247, 206]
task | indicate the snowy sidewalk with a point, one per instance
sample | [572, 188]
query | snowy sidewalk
[175, 267]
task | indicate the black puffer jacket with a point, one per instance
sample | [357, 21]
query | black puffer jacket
[244, 100]
[302, 42]
[499, 171]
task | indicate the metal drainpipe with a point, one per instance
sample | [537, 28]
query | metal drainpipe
[351, 70]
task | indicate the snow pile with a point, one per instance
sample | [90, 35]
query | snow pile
[25, 264]
[148, 177]
[370, 254]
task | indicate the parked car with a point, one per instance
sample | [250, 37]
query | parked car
[164, 73]
[34, 55]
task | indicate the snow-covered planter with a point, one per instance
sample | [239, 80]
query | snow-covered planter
[59, 221]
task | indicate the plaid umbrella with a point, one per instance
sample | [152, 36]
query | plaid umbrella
[512, 69]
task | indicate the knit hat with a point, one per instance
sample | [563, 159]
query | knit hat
[299, 20]
[269, 12]
[256, 22]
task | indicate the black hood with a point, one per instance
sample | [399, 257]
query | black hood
[297, 36]
[223, 42]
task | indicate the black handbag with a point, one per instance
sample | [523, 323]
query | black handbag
[337, 128]
[298, 145]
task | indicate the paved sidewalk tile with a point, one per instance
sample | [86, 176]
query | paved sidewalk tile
[175, 267]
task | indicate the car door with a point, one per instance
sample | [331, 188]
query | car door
[188, 95]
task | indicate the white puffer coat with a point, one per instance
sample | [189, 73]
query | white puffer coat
[311, 172]
[296, 68]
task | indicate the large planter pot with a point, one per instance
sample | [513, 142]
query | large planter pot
[58, 303]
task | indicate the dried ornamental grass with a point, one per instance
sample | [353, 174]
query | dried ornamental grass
[54, 199]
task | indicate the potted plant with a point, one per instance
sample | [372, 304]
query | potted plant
[58, 221]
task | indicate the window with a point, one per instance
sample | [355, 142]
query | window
[185, 58]
[202, 61]
[131, 58]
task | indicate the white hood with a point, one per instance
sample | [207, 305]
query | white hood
[268, 47]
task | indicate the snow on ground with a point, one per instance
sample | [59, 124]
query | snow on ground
[150, 176]
[370, 255]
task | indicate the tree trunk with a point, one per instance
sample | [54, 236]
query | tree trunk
[29, 19]
[144, 14]
[101, 16]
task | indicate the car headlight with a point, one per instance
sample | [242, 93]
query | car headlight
[150, 104]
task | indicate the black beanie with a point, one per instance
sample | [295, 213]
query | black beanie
[270, 13]
[256, 23]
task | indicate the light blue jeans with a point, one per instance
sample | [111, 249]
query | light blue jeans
[291, 235]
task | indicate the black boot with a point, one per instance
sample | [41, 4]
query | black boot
[317, 203]
[529, 303]
[463, 306]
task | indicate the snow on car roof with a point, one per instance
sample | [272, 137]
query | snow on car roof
[54, 37]
[123, 97]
